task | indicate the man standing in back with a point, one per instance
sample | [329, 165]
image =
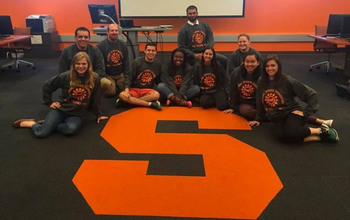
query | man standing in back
[194, 36]
[116, 61]
[82, 39]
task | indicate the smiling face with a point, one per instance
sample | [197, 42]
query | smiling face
[113, 32]
[81, 66]
[250, 63]
[178, 58]
[271, 68]
[208, 56]
[82, 39]
[243, 44]
[150, 53]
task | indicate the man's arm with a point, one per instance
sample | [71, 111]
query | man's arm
[126, 65]
[209, 35]
[183, 42]
[63, 65]
[99, 64]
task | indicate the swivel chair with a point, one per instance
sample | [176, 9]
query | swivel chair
[18, 49]
[327, 48]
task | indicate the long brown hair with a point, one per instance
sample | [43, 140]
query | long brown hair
[278, 78]
[89, 75]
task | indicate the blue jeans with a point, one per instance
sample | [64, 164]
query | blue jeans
[191, 92]
[57, 120]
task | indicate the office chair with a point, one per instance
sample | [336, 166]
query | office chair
[327, 48]
[18, 49]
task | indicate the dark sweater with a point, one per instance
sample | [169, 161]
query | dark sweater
[178, 80]
[210, 81]
[143, 74]
[243, 87]
[115, 57]
[94, 53]
[276, 103]
[195, 38]
[74, 100]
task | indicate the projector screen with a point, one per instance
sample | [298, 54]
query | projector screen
[177, 8]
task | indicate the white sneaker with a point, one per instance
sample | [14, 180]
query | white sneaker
[328, 122]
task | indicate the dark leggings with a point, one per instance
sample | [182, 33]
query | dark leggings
[218, 99]
[291, 129]
[247, 111]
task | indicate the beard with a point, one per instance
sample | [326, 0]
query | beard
[192, 19]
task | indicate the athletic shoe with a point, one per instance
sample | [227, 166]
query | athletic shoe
[328, 123]
[156, 105]
[168, 102]
[329, 135]
[189, 104]
[117, 103]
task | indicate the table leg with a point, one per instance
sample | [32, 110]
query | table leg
[347, 61]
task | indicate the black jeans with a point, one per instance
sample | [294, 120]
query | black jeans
[291, 129]
[218, 99]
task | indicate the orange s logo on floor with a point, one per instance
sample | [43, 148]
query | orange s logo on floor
[239, 181]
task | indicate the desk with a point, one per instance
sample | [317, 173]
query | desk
[132, 35]
[341, 42]
[6, 43]
[12, 38]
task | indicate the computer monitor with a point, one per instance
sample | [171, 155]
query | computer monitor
[5, 25]
[334, 24]
[345, 29]
[103, 14]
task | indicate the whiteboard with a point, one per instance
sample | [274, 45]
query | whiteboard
[177, 8]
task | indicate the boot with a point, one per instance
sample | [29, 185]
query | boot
[182, 102]
[170, 100]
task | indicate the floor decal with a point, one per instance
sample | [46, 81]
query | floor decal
[239, 181]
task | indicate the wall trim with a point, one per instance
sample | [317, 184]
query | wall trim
[264, 38]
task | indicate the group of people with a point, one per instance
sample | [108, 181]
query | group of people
[246, 84]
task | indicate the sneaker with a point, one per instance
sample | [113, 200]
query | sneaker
[156, 105]
[328, 123]
[182, 102]
[189, 104]
[329, 135]
[117, 103]
[168, 102]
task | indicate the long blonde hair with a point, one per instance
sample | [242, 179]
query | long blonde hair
[90, 75]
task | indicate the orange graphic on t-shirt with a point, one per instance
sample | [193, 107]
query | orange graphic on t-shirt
[247, 90]
[198, 37]
[208, 81]
[78, 95]
[146, 77]
[271, 99]
[115, 57]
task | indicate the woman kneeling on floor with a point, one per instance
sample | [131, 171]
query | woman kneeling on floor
[80, 91]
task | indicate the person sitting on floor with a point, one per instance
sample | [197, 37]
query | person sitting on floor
[80, 90]
[237, 56]
[213, 81]
[142, 80]
[276, 102]
[177, 83]
[243, 87]
[116, 61]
